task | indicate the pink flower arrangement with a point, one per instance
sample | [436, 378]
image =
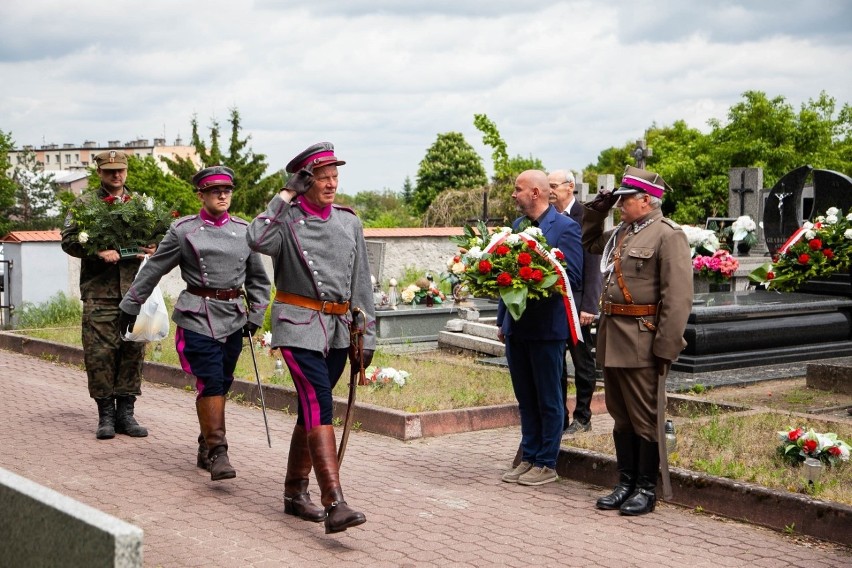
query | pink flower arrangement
[716, 268]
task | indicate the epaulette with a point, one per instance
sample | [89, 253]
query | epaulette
[343, 208]
[183, 220]
[239, 220]
[670, 223]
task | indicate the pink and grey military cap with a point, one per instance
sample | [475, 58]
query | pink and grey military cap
[318, 155]
[641, 181]
[212, 177]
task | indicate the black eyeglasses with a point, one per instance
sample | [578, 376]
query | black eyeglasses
[221, 191]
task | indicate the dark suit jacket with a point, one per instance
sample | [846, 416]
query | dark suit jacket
[546, 318]
[588, 298]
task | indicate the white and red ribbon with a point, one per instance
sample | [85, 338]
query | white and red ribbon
[498, 239]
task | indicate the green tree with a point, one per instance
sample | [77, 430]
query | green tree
[450, 163]
[383, 209]
[35, 192]
[7, 186]
[499, 155]
[253, 188]
[407, 191]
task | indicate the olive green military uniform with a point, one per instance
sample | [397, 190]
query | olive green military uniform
[114, 367]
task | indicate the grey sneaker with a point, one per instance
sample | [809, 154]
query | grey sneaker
[512, 476]
[576, 427]
[538, 476]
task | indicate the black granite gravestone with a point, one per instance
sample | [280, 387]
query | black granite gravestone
[831, 189]
[782, 213]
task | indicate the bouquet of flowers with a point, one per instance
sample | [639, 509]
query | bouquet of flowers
[815, 250]
[797, 444]
[717, 268]
[513, 266]
[742, 230]
[419, 291]
[121, 223]
[378, 377]
[701, 241]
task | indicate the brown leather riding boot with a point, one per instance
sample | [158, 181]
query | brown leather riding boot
[203, 462]
[339, 516]
[211, 417]
[297, 498]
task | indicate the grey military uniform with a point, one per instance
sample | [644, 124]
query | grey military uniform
[317, 258]
[211, 254]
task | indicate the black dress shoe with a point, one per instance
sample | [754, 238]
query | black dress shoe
[614, 500]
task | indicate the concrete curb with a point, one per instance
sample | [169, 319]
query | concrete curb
[751, 503]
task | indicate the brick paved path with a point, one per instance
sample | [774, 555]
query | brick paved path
[429, 502]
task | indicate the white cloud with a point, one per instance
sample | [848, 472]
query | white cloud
[381, 78]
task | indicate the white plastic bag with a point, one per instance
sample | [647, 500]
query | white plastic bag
[152, 323]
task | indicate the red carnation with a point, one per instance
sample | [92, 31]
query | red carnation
[795, 434]
[834, 450]
[770, 275]
[125, 198]
[804, 258]
[809, 446]
[558, 254]
[456, 259]
[815, 244]
[530, 244]
[525, 272]
[502, 250]
[175, 213]
[484, 267]
[829, 254]
[524, 259]
[504, 279]
[537, 275]
[109, 199]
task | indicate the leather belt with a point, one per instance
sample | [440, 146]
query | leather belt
[227, 294]
[323, 306]
[636, 310]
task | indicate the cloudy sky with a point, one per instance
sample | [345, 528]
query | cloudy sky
[381, 79]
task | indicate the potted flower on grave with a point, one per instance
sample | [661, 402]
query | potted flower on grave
[742, 232]
[815, 250]
[717, 268]
[798, 444]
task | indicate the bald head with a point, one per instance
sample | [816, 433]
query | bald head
[531, 193]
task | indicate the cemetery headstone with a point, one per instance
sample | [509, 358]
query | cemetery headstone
[831, 189]
[783, 208]
[376, 258]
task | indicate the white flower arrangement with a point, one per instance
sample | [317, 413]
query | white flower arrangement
[742, 227]
[83, 237]
[701, 240]
[378, 377]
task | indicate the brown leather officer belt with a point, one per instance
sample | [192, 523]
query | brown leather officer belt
[635, 310]
[228, 294]
[332, 308]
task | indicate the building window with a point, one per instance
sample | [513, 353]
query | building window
[76, 158]
[47, 157]
[67, 158]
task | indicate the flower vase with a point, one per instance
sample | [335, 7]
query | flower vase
[743, 248]
[720, 287]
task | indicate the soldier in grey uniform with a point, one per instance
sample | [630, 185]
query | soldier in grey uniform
[211, 316]
[321, 276]
[645, 303]
[113, 366]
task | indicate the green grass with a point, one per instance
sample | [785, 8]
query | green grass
[742, 446]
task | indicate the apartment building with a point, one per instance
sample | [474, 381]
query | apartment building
[54, 157]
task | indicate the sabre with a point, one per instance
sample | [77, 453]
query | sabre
[356, 355]
[260, 389]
